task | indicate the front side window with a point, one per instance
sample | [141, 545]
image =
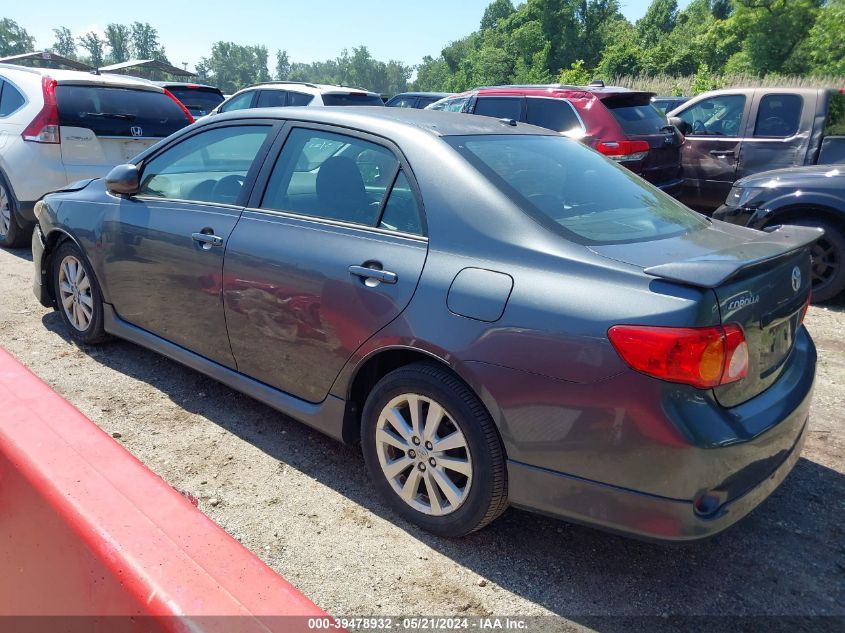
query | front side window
[211, 166]
[716, 116]
[403, 102]
[238, 102]
[574, 191]
[500, 107]
[778, 116]
[332, 176]
[450, 105]
[10, 98]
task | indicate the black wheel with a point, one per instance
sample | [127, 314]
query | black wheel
[78, 296]
[828, 260]
[11, 233]
[433, 452]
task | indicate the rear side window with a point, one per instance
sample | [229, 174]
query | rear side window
[635, 114]
[199, 101]
[10, 98]
[118, 111]
[834, 124]
[299, 99]
[778, 115]
[332, 176]
[554, 114]
[500, 107]
[403, 102]
[576, 192]
[272, 99]
[426, 101]
[352, 99]
[208, 167]
[401, 212]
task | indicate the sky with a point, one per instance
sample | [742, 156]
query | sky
[310, 31]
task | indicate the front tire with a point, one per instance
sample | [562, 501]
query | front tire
[77, 293]
[433, 452]
[11, 234]
[828, 260]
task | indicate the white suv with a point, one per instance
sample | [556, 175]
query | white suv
[60, 126]
[279, 94]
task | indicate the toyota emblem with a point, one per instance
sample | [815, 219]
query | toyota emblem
[136, 131]
[796, 279]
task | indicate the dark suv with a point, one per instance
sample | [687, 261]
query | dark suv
[622, 124]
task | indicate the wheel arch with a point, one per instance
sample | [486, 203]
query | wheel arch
[808, 210]
[380, 362]
[52, 241]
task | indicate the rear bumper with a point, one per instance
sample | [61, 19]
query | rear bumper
[639, 514]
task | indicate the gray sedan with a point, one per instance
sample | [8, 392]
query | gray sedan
[498, 314]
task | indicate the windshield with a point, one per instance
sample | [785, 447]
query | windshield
[576, 191]
[199, 101]
[352, 99]
[119, 111]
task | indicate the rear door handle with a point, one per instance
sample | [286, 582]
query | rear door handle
[722, 154]
[208, 240]
[384, 276]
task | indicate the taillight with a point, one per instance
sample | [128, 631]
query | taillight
[181, 105]
[702, 357]
[44, 128]
[806, 307]
[622, 151]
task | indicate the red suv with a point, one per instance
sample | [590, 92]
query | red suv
[622, 124]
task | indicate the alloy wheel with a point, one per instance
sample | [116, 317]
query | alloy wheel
[75, 293]
[825, 262]
[5, 212]
[423, 454]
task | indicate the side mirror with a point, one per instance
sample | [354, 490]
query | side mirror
[123, 180]
[678, 122]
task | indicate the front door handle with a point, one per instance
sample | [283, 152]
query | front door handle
[722, 154]
[384, 276]
[207, 240]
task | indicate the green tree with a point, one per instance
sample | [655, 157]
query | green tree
[118, 38]
[65, 44]
[658, 21]
[282, 66]
[145, 44]
[95, 45]
[231, 66]
[495, 13]
[825, 44]
[575, 75]
[432, 75]
[14, 39]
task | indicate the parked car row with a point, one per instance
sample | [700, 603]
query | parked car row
[498, 314]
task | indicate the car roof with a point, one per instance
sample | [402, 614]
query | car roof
[191, 84]
[422, 94]
[79, 77]
[304, 86]
[545, 90]
[385, 121]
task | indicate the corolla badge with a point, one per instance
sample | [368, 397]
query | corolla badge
[746, 300]
[136, 131]
[796, 279]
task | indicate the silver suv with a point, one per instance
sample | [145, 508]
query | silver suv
[277, 94]
[60, 126]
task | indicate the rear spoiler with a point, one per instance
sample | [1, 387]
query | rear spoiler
[716, 268]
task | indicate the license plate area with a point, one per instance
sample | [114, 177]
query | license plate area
[775, 344]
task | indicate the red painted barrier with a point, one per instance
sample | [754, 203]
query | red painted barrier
[87, 530]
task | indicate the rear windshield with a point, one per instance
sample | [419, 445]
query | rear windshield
[835, 123]
[199, 101]
[636, 114]
[119, 111]
[352, 99]
[575, 191]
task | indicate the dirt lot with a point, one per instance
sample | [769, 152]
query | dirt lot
[303, 503]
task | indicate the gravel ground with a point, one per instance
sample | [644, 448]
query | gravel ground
[304, 505]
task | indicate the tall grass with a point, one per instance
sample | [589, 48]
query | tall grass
[668, 85]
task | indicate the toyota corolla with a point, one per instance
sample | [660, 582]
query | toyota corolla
[498, 314]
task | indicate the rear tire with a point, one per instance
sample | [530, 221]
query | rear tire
[11, 233]
[77, 293]
[445, 473]
[828, 259]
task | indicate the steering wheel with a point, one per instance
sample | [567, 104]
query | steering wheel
[227, 189]
[698, 126]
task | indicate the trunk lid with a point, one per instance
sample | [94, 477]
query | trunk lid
[761, 281]
[641, 121]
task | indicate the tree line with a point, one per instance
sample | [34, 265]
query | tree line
[537, 41]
